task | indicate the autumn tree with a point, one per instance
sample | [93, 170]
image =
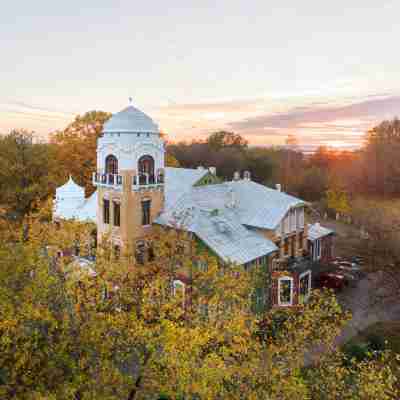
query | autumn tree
[25, 172]
[112, 331]
[223, 139]
[380, 159]
[76, 145]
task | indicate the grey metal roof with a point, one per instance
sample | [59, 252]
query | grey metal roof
[179, 181]
[317, 231]
[221, 215]
[220, 230]
[260, 206]
[255, 205]
[130, 120]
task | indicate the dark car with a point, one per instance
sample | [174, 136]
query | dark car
[332, 280]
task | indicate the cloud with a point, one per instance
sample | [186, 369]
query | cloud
[298, 117]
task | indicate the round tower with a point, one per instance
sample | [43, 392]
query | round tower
[129, 178]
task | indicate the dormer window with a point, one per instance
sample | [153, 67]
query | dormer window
[111, 165]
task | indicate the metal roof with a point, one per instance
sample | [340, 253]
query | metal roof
[130, 120]
[81, 209]
[70, 190]
[221, 215]
[317, 231]
[179, 181]
[255, 205]
[220, 230]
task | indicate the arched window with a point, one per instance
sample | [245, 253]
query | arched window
[111, 165]
[146, 165]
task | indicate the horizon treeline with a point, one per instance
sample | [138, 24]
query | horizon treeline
[31, 171]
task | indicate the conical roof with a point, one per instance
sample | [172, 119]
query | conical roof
[130, 120]
[70, 190]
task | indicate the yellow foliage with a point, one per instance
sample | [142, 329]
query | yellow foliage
[122, 334]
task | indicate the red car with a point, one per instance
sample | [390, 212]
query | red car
[332, 280]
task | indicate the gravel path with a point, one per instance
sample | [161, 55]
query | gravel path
[361, 301]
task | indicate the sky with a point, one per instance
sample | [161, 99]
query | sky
[323, 71]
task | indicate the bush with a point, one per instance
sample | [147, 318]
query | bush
[376, 342]
[359, 351]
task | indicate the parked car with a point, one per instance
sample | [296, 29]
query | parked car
[331, 280]
[350, 265]
[357, 260]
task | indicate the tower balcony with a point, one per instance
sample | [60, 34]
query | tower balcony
[145, 181]
[113, 181]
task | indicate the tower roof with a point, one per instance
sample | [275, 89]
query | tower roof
[70, 190]
[130, 120]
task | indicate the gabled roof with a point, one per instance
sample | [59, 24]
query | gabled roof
[130, 120]
[220, 230]
[260, 206]
[317, 231]
[255, 205]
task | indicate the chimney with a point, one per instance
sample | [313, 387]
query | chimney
[213, 170]
[247, 176]
[278, 187]
[236, 176]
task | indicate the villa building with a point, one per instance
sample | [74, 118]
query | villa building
[240, 221]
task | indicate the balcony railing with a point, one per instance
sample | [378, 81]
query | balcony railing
[292, 263]
[101, 179]
[145, 180]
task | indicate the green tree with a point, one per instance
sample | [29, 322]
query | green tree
[26, 170]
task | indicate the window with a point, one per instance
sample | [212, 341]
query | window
[146, 165]
[258, 300]
[305, 286]
[286, 224]
[111, 165]
[202, 265]
[117, 214]
[179, 290]
[285, 291]
[301, 240]
[117, 252]
[317, 249]
[106, 211]
[140, 252]
[151, 254]
[286, 247]
[292, 220]
[300, 218]
[146, 211]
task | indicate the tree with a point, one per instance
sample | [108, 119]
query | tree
[222, 139]
[76, 145]
[171, 161]
[25, 172]
[122, 333]
[380, 159]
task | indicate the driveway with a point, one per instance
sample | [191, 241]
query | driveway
[365, 307]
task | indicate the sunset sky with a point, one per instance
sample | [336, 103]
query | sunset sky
[325, 71]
